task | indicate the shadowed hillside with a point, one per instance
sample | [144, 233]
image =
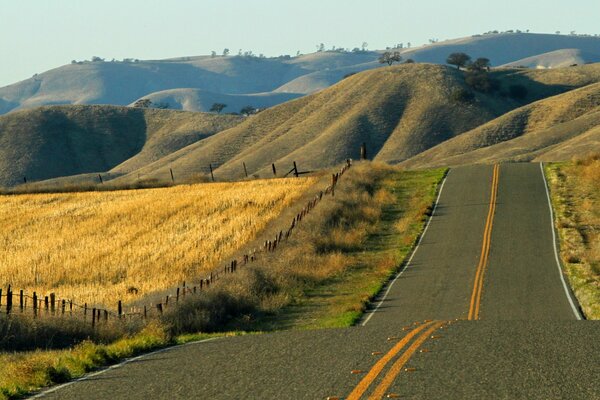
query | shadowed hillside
[552, 129]
[57, 141]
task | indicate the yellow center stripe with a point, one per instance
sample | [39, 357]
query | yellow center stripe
[378, 367]
[402, 360]
[485, 249]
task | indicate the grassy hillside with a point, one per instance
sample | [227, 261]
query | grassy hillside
[557, 59]
[398, 111]
[556, 128]
[56, 141]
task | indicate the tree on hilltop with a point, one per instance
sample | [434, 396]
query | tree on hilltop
[248, 110]
[458, 59]
[481, 64]
[217, 107]
[143, 103]
[389, 58]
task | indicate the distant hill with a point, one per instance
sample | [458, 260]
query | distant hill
[58, 141]
[121, 83]
[557, 59]
[197, 99]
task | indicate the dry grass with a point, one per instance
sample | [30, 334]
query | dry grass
[337, 260]
[576, 197]
[93, 246]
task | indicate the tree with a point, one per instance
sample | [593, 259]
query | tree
[390, 58]
[248, 110]
[217, 107]
[225, 52]
[143, 103]
[213, 54]
[481, 64]
[364, 46]
[458, 59]
[320, 47]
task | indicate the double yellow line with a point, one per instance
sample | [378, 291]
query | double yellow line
[485, 250]
[425, 331]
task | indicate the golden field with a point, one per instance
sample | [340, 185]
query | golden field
[93, 246]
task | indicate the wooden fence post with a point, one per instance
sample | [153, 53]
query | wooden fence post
[8, 300]
[0, 297]
[46, 303]
[274, 170]
[295, 170]
[172, 177]
[363, 151]
[21, 304]
[62, 306]
[84, 311]
[245, 170]
[177, 296]
[93, 317]
[100, 177]
[120, 308]
[35, 305]
[212, 175]
[52, 303]
[159, 307]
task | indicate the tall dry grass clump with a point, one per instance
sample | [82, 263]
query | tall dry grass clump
[100, 247]
[576, 196]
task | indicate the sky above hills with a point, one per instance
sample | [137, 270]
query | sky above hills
[37, 35]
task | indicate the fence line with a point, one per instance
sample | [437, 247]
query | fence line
[53, 305]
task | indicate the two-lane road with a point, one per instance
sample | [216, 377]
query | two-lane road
[524, 342]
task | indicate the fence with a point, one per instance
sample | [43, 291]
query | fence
[53, 305]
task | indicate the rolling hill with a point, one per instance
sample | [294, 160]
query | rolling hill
[398, 111]
[121, 83]
[57, 141]
[557, 59]
[413, 114]
[556, 128]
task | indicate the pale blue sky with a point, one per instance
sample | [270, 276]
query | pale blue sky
[37, 35]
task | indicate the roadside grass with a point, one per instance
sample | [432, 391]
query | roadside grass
[338, 259]
[23, 373]
[404, 200]
[575, 193]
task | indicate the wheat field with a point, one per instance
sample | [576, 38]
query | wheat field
[93, 246]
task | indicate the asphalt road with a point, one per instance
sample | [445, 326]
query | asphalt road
[527, 343]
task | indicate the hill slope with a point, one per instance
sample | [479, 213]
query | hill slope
[398, 111]
[201, 100]
[121, 83]
[556, 128]
[57, 141]
[557, 59]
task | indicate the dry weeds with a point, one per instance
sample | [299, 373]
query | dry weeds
[576, 196]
